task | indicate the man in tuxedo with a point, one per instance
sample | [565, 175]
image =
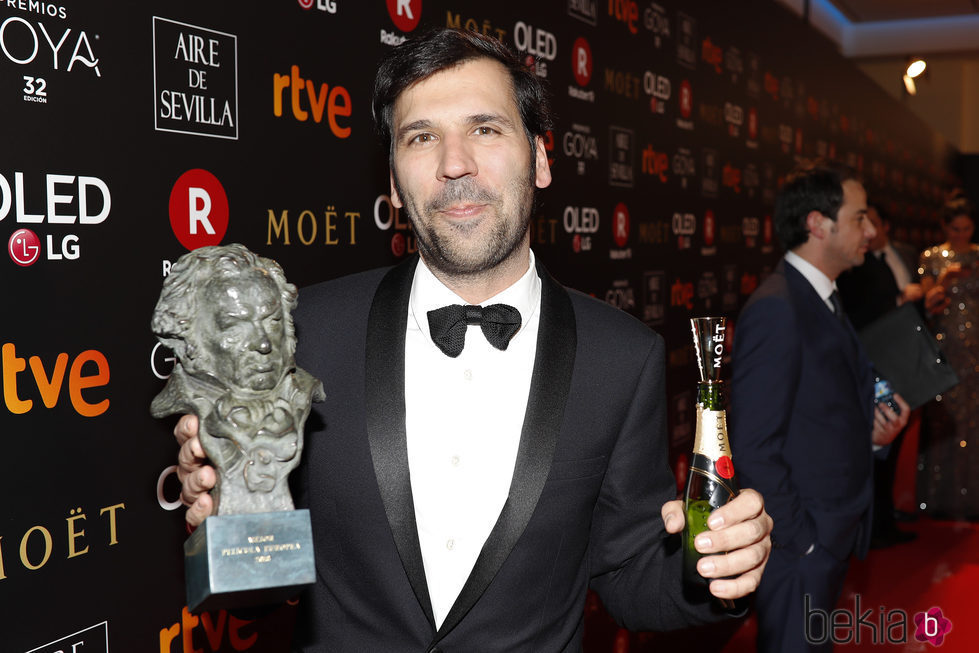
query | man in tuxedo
[491, 444]
[802, 412]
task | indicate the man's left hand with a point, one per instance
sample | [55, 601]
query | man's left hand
[740, 535]
[887, 423]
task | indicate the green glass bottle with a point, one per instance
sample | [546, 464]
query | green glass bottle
[711, 481]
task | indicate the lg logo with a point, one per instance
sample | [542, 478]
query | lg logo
[198, 209]
[329, 6]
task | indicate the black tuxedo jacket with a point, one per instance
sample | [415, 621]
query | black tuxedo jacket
[589, 481]
[802, 415]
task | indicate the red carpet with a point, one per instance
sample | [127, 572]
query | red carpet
[939, 569]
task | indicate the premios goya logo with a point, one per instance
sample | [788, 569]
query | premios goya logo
[195, 79]
[57, 205]
[40, 43]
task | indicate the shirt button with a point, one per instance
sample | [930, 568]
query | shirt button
[450, 544]
[468, 375]
[455, 461]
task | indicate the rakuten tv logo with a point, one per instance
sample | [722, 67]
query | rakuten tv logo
[198, 209]
[581, 61]
[405, 13]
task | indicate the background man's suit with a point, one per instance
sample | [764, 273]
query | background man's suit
[801, 419]
[584, 502]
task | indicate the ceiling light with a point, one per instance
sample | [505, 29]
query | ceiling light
[909, 85]
[916, 67]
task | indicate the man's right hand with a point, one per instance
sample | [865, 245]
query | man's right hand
[196, 476]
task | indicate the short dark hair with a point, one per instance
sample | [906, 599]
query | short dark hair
[811, 186]
[885, 215]
[956, 207]
[419, 58]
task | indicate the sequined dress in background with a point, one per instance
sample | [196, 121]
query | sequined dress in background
[948, 459]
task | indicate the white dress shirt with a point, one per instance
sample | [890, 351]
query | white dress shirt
[816, 278]
[894, 261]
[463, 420]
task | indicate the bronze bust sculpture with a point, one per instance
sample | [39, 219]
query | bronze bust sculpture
[227, 315]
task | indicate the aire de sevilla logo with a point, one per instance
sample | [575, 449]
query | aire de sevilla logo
[405, 14]
[198, 209]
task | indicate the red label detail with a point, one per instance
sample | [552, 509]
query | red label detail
[724, 467]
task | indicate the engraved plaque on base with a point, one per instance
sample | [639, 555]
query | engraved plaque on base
[248, 559]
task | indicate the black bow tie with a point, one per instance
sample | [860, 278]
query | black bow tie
[447, 325]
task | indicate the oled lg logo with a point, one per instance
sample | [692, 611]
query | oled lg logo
[843, 626]
[329, 6]
[198, 209]
[65, 200]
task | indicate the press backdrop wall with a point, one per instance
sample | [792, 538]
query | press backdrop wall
[131, 132]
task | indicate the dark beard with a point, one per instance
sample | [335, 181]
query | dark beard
[438, 250]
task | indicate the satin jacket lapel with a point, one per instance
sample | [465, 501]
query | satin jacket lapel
[549, 389]
[385, 361]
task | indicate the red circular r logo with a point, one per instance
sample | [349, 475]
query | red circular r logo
[198, 209]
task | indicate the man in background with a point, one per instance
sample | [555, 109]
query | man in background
[803, 420]
[869, 291]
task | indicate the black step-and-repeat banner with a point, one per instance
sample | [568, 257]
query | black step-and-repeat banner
[132, 132]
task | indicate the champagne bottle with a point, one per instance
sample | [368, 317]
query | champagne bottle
[710, 480]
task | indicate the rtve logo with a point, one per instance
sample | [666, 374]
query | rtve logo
[334, 101]
[405, 14]
[198, 209]
[89, 370]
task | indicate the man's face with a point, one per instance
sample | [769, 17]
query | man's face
[848, 239]
[463, 169]
[880, 238]
[243, 332]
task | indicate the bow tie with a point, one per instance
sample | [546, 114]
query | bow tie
[448, 324]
